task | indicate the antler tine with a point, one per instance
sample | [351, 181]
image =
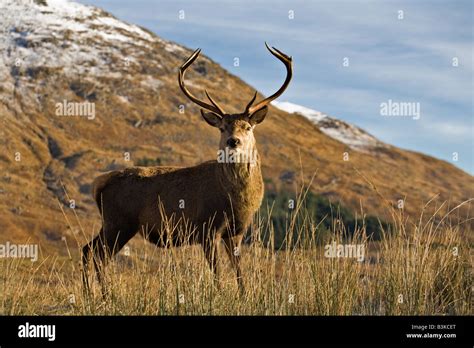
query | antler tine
[182, 70]
[251, 102]
[280, 53]
[287, 60]
[214, 103]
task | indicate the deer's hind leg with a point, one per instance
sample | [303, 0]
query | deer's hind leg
[109, 241]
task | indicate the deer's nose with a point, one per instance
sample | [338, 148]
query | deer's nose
[233, 142]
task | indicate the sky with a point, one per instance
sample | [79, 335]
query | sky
[350, 58]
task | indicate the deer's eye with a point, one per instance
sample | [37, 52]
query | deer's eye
[248, 129]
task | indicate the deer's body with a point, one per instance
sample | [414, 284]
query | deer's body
[202, 204]
[209, 197]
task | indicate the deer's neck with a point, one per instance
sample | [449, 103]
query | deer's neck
[241, 174]
[242, 183]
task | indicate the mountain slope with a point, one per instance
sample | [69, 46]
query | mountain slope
[54, 51]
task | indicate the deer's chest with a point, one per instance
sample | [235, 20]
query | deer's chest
[245, 199]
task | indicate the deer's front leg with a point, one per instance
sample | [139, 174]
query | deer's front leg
[210, 247]
[233, 249]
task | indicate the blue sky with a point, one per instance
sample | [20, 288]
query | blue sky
[405, 60]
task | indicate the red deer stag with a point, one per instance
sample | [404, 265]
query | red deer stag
[220, 197]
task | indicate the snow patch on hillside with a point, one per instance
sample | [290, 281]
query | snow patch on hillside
[356, 138]
[291, 108]
[62, 34]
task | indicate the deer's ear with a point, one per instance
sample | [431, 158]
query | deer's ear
[258, 116]
[212, 118]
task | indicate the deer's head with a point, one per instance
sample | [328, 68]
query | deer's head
[236, 129]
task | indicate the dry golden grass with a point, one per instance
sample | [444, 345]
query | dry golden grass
[424, 268]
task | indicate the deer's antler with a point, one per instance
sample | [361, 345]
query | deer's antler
[214, 107]
[289, 73]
